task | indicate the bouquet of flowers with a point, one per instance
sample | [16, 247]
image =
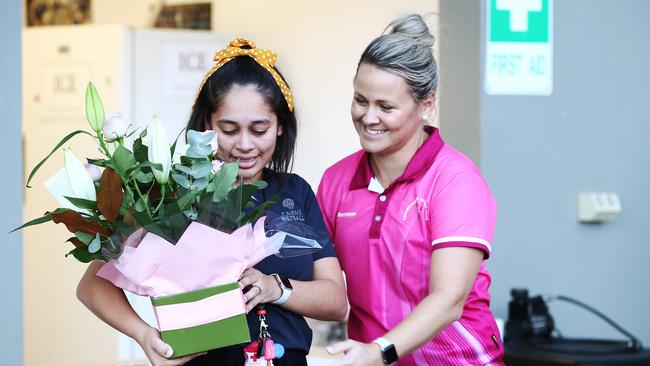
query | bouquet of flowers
[181, 231]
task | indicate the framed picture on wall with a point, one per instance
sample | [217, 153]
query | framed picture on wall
[57, 12]
[185, 16]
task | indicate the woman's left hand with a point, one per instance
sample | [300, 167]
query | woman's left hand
[357, 353]
[264, 288]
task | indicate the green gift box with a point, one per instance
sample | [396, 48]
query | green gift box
[202, 320]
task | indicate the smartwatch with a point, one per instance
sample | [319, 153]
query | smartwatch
[285, 286]
[388, 351]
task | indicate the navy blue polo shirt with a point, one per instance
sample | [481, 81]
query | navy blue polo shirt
[296, 202]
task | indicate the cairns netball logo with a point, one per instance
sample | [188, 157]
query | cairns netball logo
[288, 204]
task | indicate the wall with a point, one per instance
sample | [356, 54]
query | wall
[319, 44]
[11, 194]
[538, 153]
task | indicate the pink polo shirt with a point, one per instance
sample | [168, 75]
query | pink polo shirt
[385, 240]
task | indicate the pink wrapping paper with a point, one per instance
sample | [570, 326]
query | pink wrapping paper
[203, 257]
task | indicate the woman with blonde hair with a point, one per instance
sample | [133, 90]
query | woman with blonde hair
[411, 218]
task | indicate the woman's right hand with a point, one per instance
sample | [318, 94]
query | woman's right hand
[158, 352]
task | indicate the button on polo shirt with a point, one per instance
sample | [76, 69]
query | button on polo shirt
[384, 240]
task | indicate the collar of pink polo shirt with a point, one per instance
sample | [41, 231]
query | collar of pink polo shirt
[420, 162]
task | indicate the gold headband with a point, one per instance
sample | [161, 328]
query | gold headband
[265, 58]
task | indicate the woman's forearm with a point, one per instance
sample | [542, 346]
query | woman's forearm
[436, 311]
[319, 299]
[109, 303]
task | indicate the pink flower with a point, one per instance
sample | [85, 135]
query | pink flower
[115, 127]
[93, 171]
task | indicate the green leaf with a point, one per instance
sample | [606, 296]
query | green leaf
[82, 203]
[198, 152]
[94, 108]
[95, 245]
[201, 169]
[36, 221]
[141, 204]
[187, 199]
[63, 141]
[223, 181]
[140, 166]
[172, 149]
[100, 162]
[184, 169]
[144, 178]
[199, 184]
[197, 138]
[181, 180]
[84, 256]
[140, 150]
[84, 237]
[124, 159]
[259, 210]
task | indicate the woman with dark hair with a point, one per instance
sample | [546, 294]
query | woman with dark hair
[411, 218]
[246, 101]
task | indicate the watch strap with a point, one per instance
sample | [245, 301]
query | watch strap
[388, 351]
[286, 292]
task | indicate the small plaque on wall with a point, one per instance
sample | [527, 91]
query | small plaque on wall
[57, 12]
[186, 16]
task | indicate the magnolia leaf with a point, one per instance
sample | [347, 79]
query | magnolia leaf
[144, 178]
[141, 166]
[83, 256]
[94, 108]
[36, 221]
[76, 242]
[141, 204]
[99, 162]
[63, 141]
[84, 237]
[95, 245]
[124, 159]
[110, 195]
[172, 149]
[75, 222]
[140, 150]
[82, 203]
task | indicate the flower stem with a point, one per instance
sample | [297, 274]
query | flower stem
[102, 144]
[162, 197]
[141, 196]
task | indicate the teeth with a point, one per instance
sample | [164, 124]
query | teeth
[374, 132]
[246, 160]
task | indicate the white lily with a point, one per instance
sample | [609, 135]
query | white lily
[115, 127]
[159, 152]
[80, 181]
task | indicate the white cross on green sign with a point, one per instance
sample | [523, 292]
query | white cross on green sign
[519, 47]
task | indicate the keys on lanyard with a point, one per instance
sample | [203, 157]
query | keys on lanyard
[262, 351]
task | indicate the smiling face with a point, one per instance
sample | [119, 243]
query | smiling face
[247, 130]
[385, 114]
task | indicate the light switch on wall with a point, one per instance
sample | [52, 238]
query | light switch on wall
[598, 206]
